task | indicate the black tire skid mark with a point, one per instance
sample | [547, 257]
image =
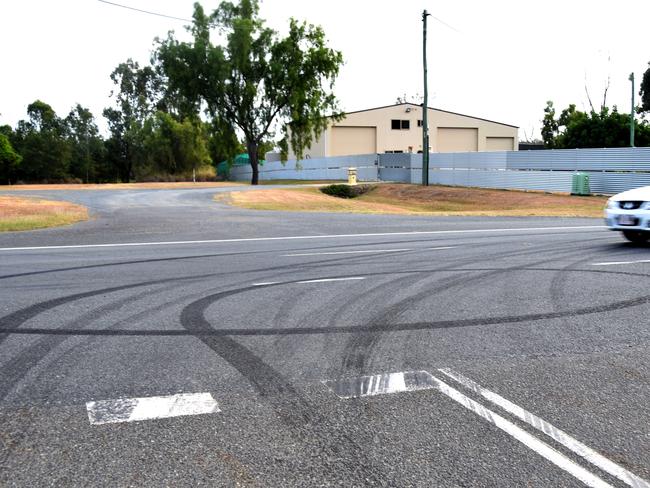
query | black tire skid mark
[360, 347]
[619, 305]
[559, 280]
[13, 371]
[293, 409]
[16, 369]
[432, 325]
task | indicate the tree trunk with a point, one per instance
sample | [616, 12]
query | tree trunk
[252, 158]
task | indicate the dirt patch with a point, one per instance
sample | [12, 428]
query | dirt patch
[418, 200]
[18, 214]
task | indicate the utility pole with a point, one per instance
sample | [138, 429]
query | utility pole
[425, 105]
[631, 78]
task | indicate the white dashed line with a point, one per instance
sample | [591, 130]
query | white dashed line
[266, 283]
[344, 252]
[326, 280]
[611, 263]
[149, 408]
[553, 432]
[366, 251]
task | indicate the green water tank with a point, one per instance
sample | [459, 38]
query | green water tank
[580, 184]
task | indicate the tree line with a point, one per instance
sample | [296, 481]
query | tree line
[150, 139]
[602, 127]
[196, 104]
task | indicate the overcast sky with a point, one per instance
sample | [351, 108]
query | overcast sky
[502, 60]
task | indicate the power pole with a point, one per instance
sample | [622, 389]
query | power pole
[631, 78]
[425, 105]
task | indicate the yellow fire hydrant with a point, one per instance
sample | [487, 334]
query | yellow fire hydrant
[352, 176]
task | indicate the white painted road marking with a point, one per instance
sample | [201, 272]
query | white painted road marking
[148, 408]
[553, 432]
[343, 252]
[288, 238]
[368, 251]
[319, 280]
[610, 263]
[326, 280]
[380, 384]
[530, 441]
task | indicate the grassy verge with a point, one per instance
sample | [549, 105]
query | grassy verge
[30, 213]
[418, 200]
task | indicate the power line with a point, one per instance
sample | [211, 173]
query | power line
[145, 11]
[445, 23]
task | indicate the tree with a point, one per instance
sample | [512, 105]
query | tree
[256, 81]
[645, 91]
[42, 142]
[9, 159]
[576, 129]
[87, 145]
[549, 126]
[139, 90]
[176, 147]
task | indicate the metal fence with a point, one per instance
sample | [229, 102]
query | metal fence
[335, 168]
[610, 170]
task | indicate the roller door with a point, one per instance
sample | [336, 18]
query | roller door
[457, 139]
[347, 141]
[499, 144]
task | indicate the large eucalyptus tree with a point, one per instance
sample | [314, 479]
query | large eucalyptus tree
[255, 83]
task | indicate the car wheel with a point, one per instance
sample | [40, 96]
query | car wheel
[636, 236]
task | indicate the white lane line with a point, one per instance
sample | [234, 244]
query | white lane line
[530, 441]
[148, 408]
[344, 252]
[553, 432]
[380, 384]
[287, 238]
[265, 283]
[326, 280]
[610, 263]
[366, 251]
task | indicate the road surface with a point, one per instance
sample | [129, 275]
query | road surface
[175, 341]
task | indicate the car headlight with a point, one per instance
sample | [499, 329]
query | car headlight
[612, 203]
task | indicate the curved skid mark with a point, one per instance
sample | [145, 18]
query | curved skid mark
[444, 324]
[292, 408]
[359, 349]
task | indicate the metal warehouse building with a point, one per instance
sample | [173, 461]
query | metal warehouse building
[398, 129]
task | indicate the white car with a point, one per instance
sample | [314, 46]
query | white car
[629, 212]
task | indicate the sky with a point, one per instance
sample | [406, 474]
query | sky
[500, 60]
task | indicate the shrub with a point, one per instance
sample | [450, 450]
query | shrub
[346, 191]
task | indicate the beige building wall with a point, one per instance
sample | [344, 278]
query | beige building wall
[448, 132]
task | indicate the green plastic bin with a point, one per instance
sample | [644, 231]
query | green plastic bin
[580, 184]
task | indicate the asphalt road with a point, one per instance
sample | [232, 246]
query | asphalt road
[173, 341]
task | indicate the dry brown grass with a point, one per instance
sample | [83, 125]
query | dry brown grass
[17, 213]
[418, 200]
